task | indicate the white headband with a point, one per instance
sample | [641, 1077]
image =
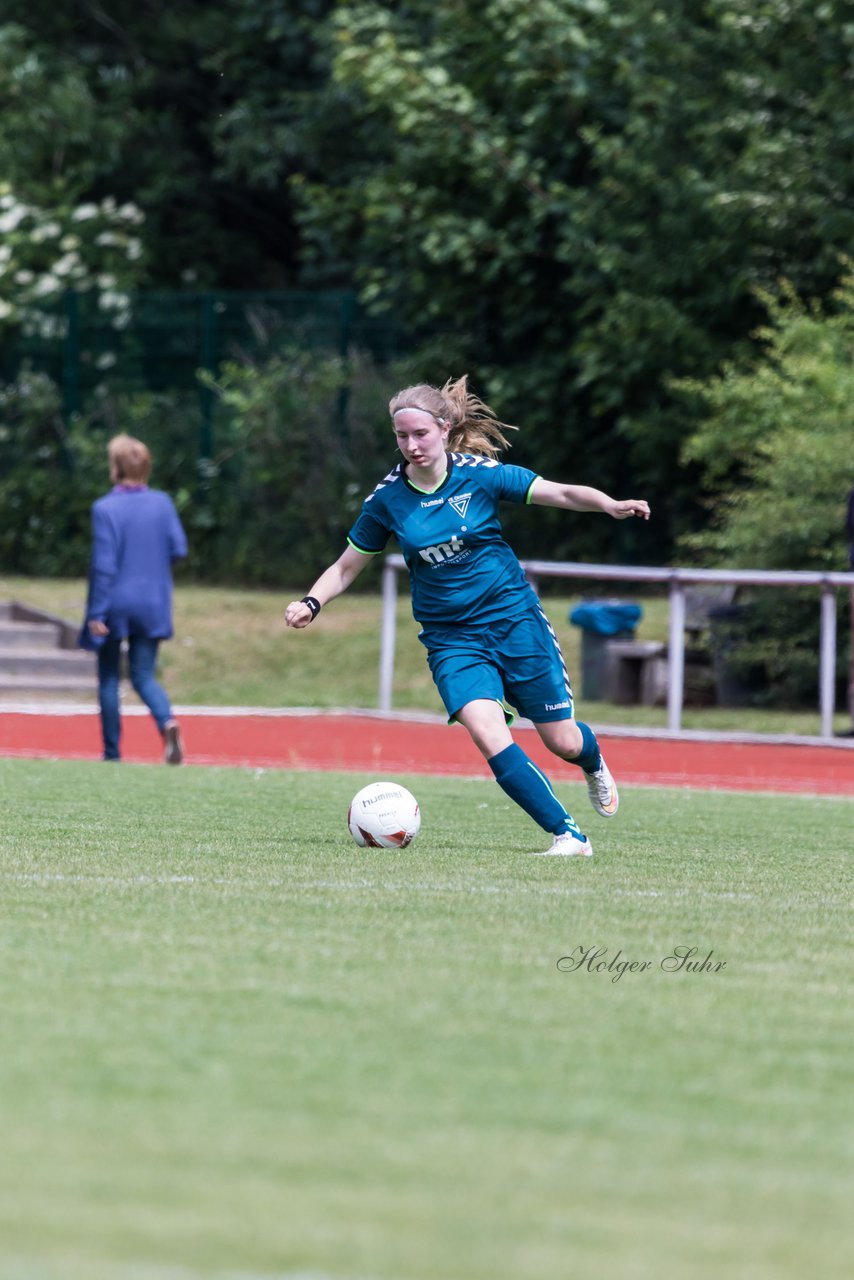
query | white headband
[417, 407]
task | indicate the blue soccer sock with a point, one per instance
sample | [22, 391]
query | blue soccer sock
[524, 782]
[589, 758]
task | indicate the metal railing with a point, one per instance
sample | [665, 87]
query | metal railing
[677, 579]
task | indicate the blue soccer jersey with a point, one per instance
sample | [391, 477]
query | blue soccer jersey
[460, 568]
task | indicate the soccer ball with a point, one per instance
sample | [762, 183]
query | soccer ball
[384, 815]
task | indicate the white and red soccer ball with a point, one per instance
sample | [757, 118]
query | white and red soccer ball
[384, 815]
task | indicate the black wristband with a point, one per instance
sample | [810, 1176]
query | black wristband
[313, 604]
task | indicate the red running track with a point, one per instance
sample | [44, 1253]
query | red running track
[373, 744]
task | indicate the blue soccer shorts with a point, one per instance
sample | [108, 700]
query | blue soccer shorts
[515, 660]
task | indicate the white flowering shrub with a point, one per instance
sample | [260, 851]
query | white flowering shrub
[44, 253]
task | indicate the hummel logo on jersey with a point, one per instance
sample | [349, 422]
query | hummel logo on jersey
[444, 551]
[434, 502]
[460, 503]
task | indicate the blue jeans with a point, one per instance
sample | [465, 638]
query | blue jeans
[142, 655]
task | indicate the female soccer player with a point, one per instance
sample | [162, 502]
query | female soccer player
[486, 635]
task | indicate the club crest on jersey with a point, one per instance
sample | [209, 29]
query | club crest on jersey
[460, 503]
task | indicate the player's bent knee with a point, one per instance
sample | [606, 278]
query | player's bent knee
[562, 737]
[484, 719]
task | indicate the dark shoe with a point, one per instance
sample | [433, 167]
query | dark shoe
[173, 749]
[845, 733]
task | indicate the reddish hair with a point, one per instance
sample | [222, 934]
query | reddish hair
[130, 460]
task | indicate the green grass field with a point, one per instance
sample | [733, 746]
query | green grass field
[235, 1045]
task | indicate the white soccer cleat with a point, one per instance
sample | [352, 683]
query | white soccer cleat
[566, 845]
[602, 790]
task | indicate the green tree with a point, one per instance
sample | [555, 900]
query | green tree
[52, 237]
[589, 196]
[199, 114]
[775, 446]
[54, 138]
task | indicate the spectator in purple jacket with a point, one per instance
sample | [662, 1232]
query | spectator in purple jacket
[136, 535]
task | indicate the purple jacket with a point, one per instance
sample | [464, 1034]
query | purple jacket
[136, 535]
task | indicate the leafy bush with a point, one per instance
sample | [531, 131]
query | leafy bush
[776, 452]
[48, 478]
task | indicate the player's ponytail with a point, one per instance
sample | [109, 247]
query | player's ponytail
[472, 426]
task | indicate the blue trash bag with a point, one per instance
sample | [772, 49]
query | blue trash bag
[606, 617]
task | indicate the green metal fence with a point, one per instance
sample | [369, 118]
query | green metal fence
[159, 341]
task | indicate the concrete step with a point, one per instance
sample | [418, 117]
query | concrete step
[28, 635]
[18, 612]
[53, 663]
[39, 660]
[47, 689]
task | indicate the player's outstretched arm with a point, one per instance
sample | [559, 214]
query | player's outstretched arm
[330, 584]
[580, 497]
